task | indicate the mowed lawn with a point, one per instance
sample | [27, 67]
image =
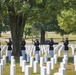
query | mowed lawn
[70, 66]
[57, 38]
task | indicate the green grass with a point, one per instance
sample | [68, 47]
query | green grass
[69, 71]
[56, 37]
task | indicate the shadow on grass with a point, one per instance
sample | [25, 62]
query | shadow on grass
[16, 60]
[70, 59]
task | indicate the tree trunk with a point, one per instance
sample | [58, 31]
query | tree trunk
[25, 35]
[42, 36]
[17, 27]
[17, 34]
[0, 34]
[62, 38]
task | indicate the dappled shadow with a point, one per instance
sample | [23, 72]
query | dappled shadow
[70, 59]
[60, 59]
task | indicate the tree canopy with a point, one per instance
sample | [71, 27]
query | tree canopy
[66, 19]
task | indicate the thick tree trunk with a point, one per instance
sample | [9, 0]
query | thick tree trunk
[17, 33]
[42, 36]
[17, 27]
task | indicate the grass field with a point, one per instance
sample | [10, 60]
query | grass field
[57, 38]
[70, 67]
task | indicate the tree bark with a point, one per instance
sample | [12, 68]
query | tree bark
[25, 35]
[0, 34]
[17, 27]
[62, 38]
[42, 36]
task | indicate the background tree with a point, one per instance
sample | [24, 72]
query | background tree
[66, 19]
[45, 17]
[27, 30]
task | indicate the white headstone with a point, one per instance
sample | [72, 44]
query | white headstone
[27, 70]
[35, 66]
[52, 63]
[41, 61]
[48, 67]
[13, 62]
[73, 50]
[75, 59]
[31, 53]
[4, 57]
[12, 57]
[36, 57]
[21, 58]
[31, 61]
[64, 60]
[45, 58]
[43, 70]
[62, 65]
[1, 71]
[23, 65]
[28, 58]
[62, 70]
[57, 73]
[12, 69]
[2, 63]
[56, 58]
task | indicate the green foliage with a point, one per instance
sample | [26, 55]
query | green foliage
[28, 29]
[45, 11]
[67, 20]
[45, 15]
[4, 22]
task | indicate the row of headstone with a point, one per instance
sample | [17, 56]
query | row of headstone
[44, 71]
[36, 57]
[2, 64]
[63, 66]
[50, 65]
[30, 49]
[43, 49]
[74, 53]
